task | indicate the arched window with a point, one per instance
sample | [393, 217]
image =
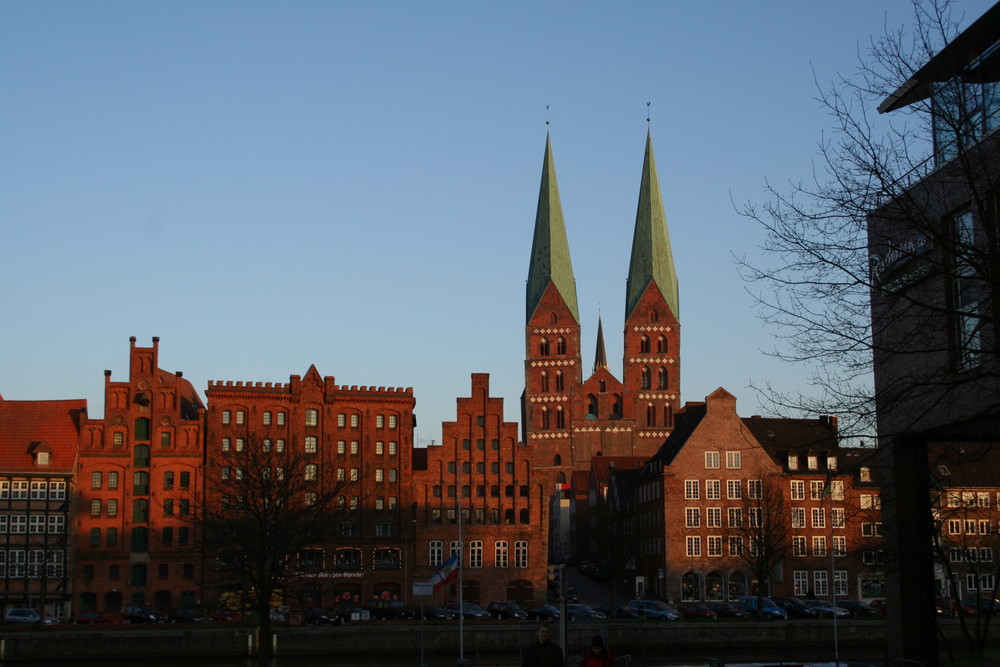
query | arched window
[661, 344]
[557, 460]
[435, 551]
[561, 346]
[545, 418]
[501, 553]
[690, 586]
[140, 510]
[559, 381]
[140, 483]
[654, 316]
[661, 378]
[668, 415]
[644, 344]
[616, 408]
[545, 381]
[650, 415]
[560, 418]
[715, 586]
[476, 553]
[738, 585]
[644, 378]
[591, 405]
[561, 478]
[141, 456]
[553, 318]
[543, 347]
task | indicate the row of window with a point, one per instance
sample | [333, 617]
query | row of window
[734, 460]
[33, 490]
[661, 345]
[713, 489]
[970, 498]
[971, 526]
[139, 537]
[812, 463]
[800, 546]
[819, 585]
[162, 570]
[501, 553]
[818, 489]
[970, 554]
[141, 479]
[34, 523]
[481, 467]
[645, 378]
[478, 516]
[481, 490]
[311, 418]
[32, 563]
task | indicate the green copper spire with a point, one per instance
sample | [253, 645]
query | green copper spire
[550, 249]
[652, 259]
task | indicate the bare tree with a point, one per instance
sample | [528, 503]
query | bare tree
[761, 534]
[263, 507]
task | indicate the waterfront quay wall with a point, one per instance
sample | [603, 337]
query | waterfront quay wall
[779, 640]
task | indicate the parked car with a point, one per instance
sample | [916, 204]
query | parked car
[187, 616]
[654, 610]
[318, 616]
[618, 611]
[859, 609]
[826, 609]
[469, 610]
[983, 605]
[726, 610]
[390, 610]
[544, 612]
[435, 613]
[99, 618]
[140, 614]
[878, 604]
[506, 609]
[583, 612]
[222, 616]
[795, 608]
[948, 607]
[695, 610]
[768, 608]
[21, 616]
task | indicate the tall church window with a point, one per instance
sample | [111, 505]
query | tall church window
[654, 316]
[661, 378]
[668, 415]
[545, 381]
[560, 418]
[557, 460]
[616, 408]
[644, 344]
[661, 344]
[561, 346]
[543, 347]
[559, 381]
[141, 455]
[650, 415]
[545, 418]
[644, 378]
[592, 405]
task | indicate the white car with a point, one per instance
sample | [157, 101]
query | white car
[28, 617]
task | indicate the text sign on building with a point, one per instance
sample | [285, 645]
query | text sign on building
[425, 588]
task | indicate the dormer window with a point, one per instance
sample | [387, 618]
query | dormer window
[831, 463]
[865, 474]
[793, 462]
[42, 458]
[813, 462]
[41, 452]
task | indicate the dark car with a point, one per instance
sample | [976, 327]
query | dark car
[946, 607]
[696, 610]
[983, 606]
[435, 613]
[23, 616]
[795, 607]
[617, 611]
[469, 611]
[390, 610]
[187, 616]
[878, 604]
[544, 612]
[506, 609]
[859, 609]
[140, 614]
[827, 609]
[318, 616]
[582, 612]
[726, 610]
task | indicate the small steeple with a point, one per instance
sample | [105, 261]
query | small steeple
[550, 260]
[652, 259]
[600, 358]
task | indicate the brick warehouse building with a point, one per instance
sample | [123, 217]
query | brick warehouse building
[137, 479]
[353, 441]
[482, 476]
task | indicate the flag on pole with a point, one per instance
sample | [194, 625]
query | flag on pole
[446, 571]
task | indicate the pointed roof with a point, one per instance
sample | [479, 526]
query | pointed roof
[652, 260]
[600, 358]
[550, 260]
[27, 427]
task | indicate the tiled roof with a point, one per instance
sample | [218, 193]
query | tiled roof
[964, 465]
[25, 425]
[780, 436]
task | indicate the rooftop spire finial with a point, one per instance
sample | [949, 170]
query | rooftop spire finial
[648, 113]
[546, 115]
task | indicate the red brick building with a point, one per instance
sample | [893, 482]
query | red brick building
[482, 476]
[137, 478]
[355, 440]
[719, 475]
[38, 442]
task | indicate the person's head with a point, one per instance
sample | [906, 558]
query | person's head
[597, 645]
[543, 634]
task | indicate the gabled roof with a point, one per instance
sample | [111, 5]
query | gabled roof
[550, 259]
[190, 400]
[27, 427]
[964, 464]
[686, 420]
[779, 436]
[652, 259]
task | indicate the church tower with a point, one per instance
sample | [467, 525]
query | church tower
[651, 366]
[552, 366]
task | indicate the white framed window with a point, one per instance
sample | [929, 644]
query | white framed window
[838, 517]
[112, 507]
[392, 448]
[354, 446]
[820, 583]
[36, 523]
[311, 444]
[281, 417]
[870, 502]
[341, 474]
[267, 418]
[818, 517]
[831, 462]
[476, 553]
[57, 524]
[355, 420]
[837, 489]
[691, 489]
[819, 545]
[310, 472]
[312, 417]
[734, 460]
[713, 517]
[19, 522]
[392, 421]
[735, 517]
[96, 479]
[379, 448]
[755, 489]
[712, 459]
[341, 446]
[713, 489]
[95, 508]
[816, 488]
[379, 421]
[714, 545]
[839, 546]
[39, 490]
[798, 517]
[693, 546]
[692, 517]
[226, 444]
[241, 417]
[354, 474]
[239, 444]
[799, 546]
[279, 444]
[379, 475]
[57, 489]
[840, 583]
[793, 461]
[227, 417]
[735, 546]
[798, 489]
[341, 420]
[435, 551]
[734, 489]
[756, 517]
[800, 578]
[19, 490]
[871, 529]
[501, 553]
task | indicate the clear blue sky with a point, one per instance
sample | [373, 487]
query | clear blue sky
[269, 185]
